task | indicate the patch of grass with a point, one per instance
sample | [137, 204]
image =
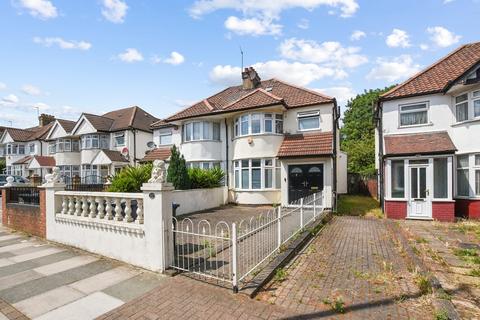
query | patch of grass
[280, 275]
[359, 206]
[337, 305]
[466, 252]
[441, 294]
[423, 284]
[468, 227]
[421, 240]
[415, 250]
[360, 275]
[441, 315]
[475, 272]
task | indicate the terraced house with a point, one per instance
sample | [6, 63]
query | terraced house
[276, 142]
[427, 141]
[93, 147]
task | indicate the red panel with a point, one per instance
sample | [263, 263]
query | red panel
[396, 209]
[468, 208]
[443, 211]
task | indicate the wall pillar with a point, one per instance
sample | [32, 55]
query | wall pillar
[157, 202]
[50, 206]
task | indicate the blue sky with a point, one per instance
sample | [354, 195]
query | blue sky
[66, 57]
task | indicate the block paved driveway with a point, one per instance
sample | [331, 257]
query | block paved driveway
[40, 280]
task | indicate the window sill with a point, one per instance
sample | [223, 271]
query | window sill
[396, 199]
[258, 134]
[416, 125]
[308, 130]
[457, 124]
[193, 141]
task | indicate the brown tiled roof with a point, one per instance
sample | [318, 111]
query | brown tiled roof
[419, 143]
[67, 125]
[440, 75]
[133, 117]
[161, 124]
[23, 160]
[273, 91]
[100, 123]
[157, 154]
[309, 144]
[45, 161]
[19, 134]
[114, 156]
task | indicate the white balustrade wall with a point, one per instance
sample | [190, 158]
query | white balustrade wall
[194, 200]
[131, 227]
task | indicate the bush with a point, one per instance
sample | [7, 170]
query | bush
[130, 179]
[177, 172]
[205, 178]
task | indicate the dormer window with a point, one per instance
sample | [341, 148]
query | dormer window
[413, 114]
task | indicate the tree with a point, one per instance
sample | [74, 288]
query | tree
[177, 172]
[2, 165]
[358, 132]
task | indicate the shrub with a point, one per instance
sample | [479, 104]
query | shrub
[130, 179]
[205, 178]
[177, 173]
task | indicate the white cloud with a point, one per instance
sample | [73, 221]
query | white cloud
[269, 8]
[63, 44]
[3, 86]
[299, 73]
[332, 54]
[424, 46]
[394, 69]
[114, 10]
[357, 35]
[41, 9]
[252, 26]
[447, 1]
[304, 24]
[10, 99]
[31, 90]
[398, 38]
[342, 94]
[175, 58]
[41, 106]
[442, 37]
[130, 55]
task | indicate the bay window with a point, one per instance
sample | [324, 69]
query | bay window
[476, 103]
[12, 149]
[63, 145]
[201, 130]
[398, 179]
[463, 185]
[440, 178]
[206, 165]
[119, 139]
[95, 141]
[477, 174]
[413, 114]
[258, 123]
[467, 105]
[256, 174]
[308, 120]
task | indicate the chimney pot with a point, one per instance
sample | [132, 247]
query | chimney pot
[251, 79]
[45, 119]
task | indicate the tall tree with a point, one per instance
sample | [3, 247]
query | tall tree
[358, 132]
[177, 172]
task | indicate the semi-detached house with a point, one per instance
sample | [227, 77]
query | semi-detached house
[427, 141]
[275, 141]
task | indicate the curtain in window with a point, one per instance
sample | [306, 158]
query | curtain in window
[462, 111]
[398, 179]
[440, 178]
[412, 118]
[476, 108]
[477, 182]
[462, 182]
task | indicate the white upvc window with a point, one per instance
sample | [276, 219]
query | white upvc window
[257, 174]
[201, 131]
[119, 139]
[397, 179]
[165, 137]
[206, 165]
[52, 147]
[95, 141]
[31, 148]
[21, 149]
[258, 123]
[461, 107]
[476, 169]
[463, 181]
[413, 114]
[308, 120]
[476, 103]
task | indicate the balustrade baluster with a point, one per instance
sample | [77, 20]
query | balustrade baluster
[109, 208]
[84, 207]
[78, 206]
[139, 211]
[118, 210]
[100, 208]
[93, 208]
[71, 205]
[128, 210]
[64, 205]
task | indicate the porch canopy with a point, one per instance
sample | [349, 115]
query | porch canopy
[109, 157]
[162, 153]
[306, 145]
[42, 162]
[433, 143]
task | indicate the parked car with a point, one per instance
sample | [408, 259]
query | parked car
[18, 179]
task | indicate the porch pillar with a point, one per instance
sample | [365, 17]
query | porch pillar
[50, 205]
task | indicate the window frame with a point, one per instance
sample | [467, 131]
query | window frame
[165, 133]
[117, 135]
[463, 102]
[462, 168]
[476, 170]
[239, 168]
[190, 136]
[401, 112]
[311, 114]
[245, 121]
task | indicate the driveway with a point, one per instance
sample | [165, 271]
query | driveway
[41, 280]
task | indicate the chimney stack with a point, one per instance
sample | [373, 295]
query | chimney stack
[250, 78]
[45, 119]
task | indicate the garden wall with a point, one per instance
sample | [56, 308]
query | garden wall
[199, 199]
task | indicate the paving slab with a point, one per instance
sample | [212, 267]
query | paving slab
[89, 307]
[134, 287]
[31, 264]
[65, 265]
[36, 254]
[18, 278]
[104, 280]
[9, 237]
[16, 246]
[47, 301]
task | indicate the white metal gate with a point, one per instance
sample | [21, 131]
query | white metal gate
[233, 252]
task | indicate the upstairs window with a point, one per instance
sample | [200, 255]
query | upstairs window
[95, 141]
[308, 120]
[52, 147]
[201, 130]
[31, 148]
[461, 107]
[476, 103]
[414, 114]
[119, 139]
[165, 137]
[258, 123]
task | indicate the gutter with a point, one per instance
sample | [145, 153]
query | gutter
[381, 166]
[336, 117]
[227, 180]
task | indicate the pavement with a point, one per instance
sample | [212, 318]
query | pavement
[42, 280]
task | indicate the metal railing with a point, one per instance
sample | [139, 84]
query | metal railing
[23, 195]
[233, 252]
[88, 183]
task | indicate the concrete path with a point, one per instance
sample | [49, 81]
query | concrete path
[46, 281]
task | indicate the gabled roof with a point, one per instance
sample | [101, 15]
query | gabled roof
[419, 143]
[23, 160]
[114, 156]
[162, 153]
[269, 92]
[308, 144]
[45, 161]
[438, 77]
[67, 125]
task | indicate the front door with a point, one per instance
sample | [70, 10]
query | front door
[304, 180]
[420, 200]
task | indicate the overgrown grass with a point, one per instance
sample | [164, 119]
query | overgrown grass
[468, 227]
[359, 206]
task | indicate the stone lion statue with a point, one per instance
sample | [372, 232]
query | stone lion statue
[159, 172]
[54, 177]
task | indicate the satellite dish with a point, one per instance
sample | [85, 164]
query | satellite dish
[125, 152]
[151, 144]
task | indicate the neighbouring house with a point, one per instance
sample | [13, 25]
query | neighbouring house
[276, 142]
[428, 153]
[25, 149]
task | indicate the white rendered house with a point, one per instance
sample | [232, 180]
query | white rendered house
[275, 141]
[427, 141]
